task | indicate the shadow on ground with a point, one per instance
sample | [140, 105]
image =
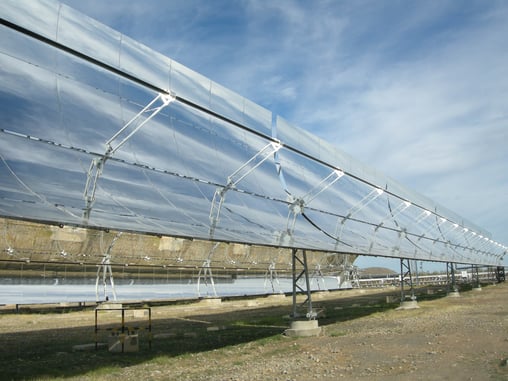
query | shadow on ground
[48, 353]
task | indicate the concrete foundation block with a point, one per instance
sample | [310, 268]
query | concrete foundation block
[454, 294]
[408, 305]
[303, 328]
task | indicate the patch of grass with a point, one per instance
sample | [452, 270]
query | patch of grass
[269, 340]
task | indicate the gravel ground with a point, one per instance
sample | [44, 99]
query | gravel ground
[462, 338]
[447, 338]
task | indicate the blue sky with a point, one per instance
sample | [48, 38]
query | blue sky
[416, 89]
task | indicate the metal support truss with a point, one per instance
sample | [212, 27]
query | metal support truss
[237, 176]
[318, 275]
[353, 276]
[451, 279]
[105, 268]
[302, 260]
[298, 204]
[116, 142]
[206, 272]
[272, 276]
[406, 280]
[475, 277]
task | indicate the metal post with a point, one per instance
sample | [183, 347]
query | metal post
[453, 290]
[302, 327]
[475, 278]
[96, 330]
[307, 282]
[122, 338]
[305, 272]
[150, 328]
[406, 278]
[293, 266]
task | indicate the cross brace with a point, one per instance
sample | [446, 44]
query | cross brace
[406, 278]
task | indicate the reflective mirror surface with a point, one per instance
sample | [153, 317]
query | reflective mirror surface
[100, 131]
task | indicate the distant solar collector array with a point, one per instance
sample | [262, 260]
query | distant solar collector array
[100, 131]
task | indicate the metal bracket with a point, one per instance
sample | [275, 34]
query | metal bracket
[116, 142]
[237, 176]
[451, 279]
[475, 277]
[297, 205]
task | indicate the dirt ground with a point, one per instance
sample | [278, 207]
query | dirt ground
[363, 337]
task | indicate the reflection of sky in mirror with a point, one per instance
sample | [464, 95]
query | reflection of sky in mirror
[164, 178]
[418, 92]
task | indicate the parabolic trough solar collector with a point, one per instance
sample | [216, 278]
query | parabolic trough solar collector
[100, 131]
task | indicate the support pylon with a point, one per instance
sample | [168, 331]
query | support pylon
[406, 278]
[453, 289]
[309, 325]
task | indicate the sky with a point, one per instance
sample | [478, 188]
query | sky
[416, 89]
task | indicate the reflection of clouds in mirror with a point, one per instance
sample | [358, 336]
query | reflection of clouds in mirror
[88, 36]
[164, 178]
[42, 17]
